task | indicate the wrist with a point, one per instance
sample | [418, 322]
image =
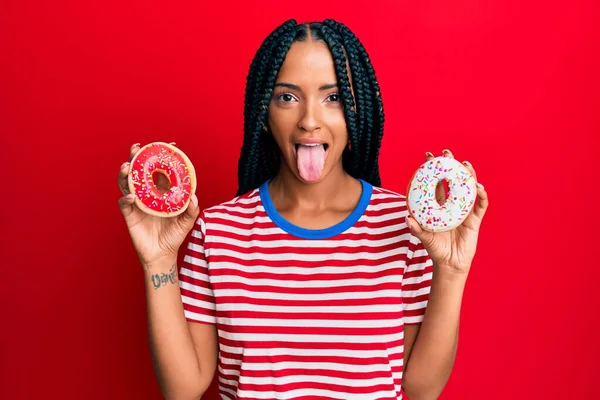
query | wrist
[161, 273]
[450, 274]
[161, 264]
[449, 286]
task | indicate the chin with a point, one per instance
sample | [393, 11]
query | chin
[311, 181]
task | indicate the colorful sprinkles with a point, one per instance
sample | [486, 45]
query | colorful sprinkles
[162, 158]
[422, 201]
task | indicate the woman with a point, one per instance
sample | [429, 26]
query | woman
[312, 282]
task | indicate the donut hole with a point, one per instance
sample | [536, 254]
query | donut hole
[442, 191]
[161, 181]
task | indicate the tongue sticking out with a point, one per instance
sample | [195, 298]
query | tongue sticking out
[311, 160]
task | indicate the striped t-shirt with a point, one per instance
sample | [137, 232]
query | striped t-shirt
[307, 314]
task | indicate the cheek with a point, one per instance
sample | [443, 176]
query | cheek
[284, 117]
[333, 115]
[337, 124]
[281, 124]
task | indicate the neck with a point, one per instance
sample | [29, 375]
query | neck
[288, 191]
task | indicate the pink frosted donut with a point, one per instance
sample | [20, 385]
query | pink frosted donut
[166, 159]
[421, 200]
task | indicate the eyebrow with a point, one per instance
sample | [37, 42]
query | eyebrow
[296, 87]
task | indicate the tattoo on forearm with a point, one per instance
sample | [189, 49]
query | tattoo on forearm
[164, 279]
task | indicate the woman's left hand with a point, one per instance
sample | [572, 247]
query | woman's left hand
[454, 250]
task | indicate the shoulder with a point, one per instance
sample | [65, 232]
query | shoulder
[383, 198]
[383, 192]
[242, 206]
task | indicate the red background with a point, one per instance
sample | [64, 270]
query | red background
[511, 86]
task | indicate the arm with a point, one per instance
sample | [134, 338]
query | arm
[184, 353]
[450, 253]
[430, 347]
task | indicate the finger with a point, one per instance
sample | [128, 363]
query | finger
[470, 168]
[429, 156]
[416, 230]
[133, 150]
[190, 215]
[447, 153]
[123, 172]
[482, 202]
[126, 204]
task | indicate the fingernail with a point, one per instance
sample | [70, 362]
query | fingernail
[480, 185]
[134, 145]
[126, 163]
[130, 196]
[195, 200]
[446, 151]
[468, 164]
[428, 154]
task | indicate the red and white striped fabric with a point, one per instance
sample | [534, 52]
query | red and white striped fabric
[307, 314]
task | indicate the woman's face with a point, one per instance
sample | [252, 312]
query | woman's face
[306, 116]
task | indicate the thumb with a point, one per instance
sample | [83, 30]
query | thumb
[126, 204]
[416, 229]
[191, 213]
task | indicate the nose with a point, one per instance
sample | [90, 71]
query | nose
[310, 119]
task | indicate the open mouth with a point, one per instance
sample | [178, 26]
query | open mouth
[297, 146]
[310, 159]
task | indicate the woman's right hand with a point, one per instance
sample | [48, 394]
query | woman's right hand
[154, 238]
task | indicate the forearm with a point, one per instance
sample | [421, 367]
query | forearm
[175, 362]
[434, 351]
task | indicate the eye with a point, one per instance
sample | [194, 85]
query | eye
[334, 97]
[285, 97]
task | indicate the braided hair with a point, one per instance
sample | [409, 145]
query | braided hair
[260, 156]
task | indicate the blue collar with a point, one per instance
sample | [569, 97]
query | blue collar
[349, 221]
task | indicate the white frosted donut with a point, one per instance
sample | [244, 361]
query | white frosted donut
[421, 200]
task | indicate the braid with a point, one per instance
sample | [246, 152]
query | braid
[334, 42]
[260, 157]
[378, 119]
[375, 117]
[269, 152]
[363, 110]
[263, 55]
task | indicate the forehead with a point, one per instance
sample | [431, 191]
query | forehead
[308, 62]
